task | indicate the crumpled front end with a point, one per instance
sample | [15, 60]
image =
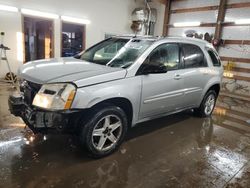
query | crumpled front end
[39, 120]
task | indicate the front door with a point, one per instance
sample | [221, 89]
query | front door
[161, 92]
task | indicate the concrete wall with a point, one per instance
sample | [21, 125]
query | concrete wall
[106, 16]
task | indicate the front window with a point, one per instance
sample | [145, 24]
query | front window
[166, 55]
[116, 52]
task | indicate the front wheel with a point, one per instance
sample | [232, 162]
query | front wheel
[105, 131]
[207, 105]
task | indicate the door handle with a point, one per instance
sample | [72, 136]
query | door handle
[177, 77]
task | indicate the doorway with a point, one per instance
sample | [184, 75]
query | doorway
[38, 38]
[73, 39]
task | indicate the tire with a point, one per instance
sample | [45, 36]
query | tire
[105, 131]
[204, 110]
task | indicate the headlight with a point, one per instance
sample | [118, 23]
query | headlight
[55, 96]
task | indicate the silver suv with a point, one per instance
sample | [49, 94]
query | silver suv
[116, 84]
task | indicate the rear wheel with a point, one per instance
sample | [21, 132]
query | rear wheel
[207, 106]
[105, 131]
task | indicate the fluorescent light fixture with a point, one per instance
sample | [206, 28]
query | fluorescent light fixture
[8, 8]
[75, 20]
[186, 24]
[242, 21]
[39, 14]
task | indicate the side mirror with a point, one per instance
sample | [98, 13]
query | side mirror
[153, 69]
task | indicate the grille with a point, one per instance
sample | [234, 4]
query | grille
[29, 90]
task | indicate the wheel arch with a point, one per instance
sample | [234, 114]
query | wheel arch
[215, 86]
[121, 102]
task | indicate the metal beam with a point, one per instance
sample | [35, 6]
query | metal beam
[166, 17]
[220, 19]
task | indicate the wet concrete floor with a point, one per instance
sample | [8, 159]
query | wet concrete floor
[176, 151]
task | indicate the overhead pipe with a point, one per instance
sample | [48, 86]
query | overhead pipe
[149, 16]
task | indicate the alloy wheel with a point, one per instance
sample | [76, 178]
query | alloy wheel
[106, 132]
[209, 104]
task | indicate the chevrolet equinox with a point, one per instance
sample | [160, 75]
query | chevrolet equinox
[115, 84]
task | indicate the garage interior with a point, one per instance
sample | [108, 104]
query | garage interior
[179, 150]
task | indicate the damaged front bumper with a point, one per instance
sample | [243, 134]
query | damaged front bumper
[42, 121]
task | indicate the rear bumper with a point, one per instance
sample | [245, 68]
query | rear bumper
[42, 121]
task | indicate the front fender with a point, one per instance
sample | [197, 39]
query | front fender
[128, 88]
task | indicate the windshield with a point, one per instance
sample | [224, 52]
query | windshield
[116, 52]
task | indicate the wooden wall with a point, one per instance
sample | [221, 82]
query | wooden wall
[235, 51]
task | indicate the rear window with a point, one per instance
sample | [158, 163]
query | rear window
[215, 58]
[193, 56]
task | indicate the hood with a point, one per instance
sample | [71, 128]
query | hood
[69, 70]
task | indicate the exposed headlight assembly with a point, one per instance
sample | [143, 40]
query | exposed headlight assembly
[55, 96]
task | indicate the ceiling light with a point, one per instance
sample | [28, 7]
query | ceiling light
[242, 21]
[75, 20]
[8, 8]
[39, 14]
[187, 24]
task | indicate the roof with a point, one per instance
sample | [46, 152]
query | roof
[132, 36]
[160, 38]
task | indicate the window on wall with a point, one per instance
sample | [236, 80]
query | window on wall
[39, 39]
[73, 39]
[193, 56]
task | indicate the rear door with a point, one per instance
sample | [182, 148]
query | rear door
[194, 73]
